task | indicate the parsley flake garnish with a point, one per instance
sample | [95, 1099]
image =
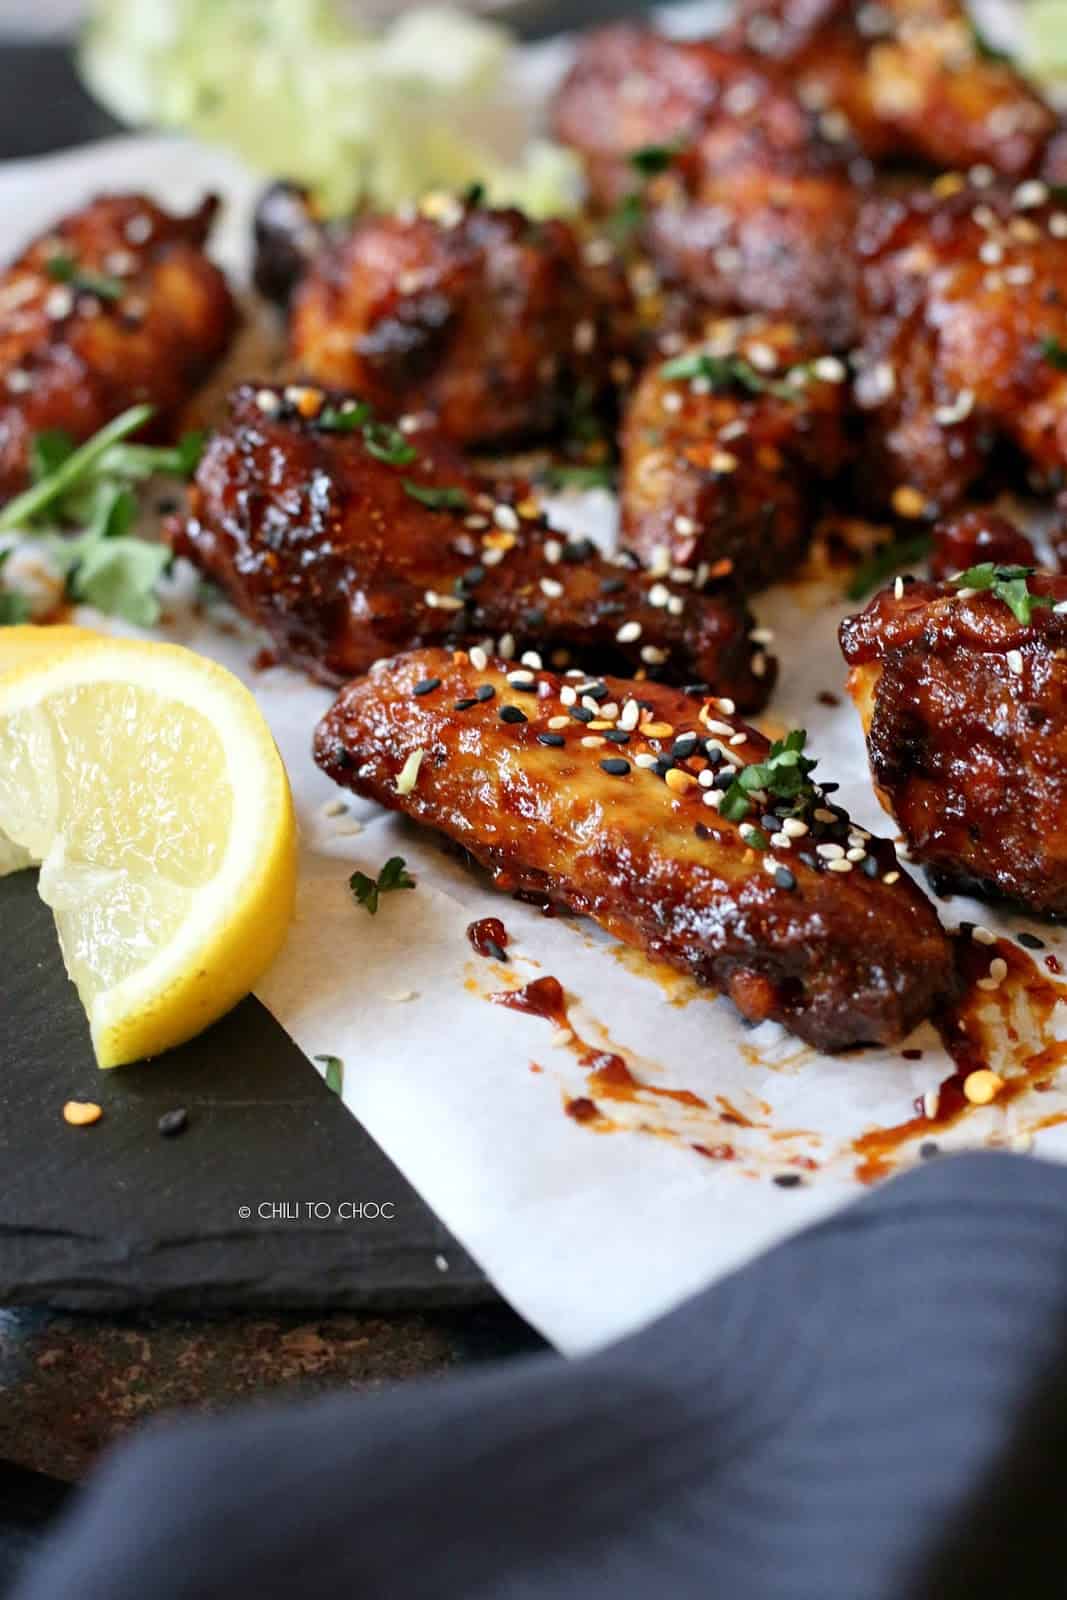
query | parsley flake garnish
[726, 372]
[345, 418]
[651, 159]
[576, 477]
[438, 499]
[1054, 353]
[388, 444]
[784, 774]
[368, 891]
[886, 560]
[335, 1072]
[65, 269]
[1008, 584]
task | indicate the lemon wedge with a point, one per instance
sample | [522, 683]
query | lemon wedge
[145, 781]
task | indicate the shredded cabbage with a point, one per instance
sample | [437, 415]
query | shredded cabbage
[300, 91]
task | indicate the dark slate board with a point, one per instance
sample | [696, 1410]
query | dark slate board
[115, 1216]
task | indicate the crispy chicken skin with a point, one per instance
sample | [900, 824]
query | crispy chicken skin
[116, 304]
[963, 300]
[965, 712]
[840, 957]
[756, 209]
[486, 320]
[724, 463]
[329, 548]
[906, 78]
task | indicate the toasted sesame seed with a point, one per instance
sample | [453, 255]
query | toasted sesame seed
[982, 1086]
[678, 780]
[891, 877]
[81, 1113]
[671, 401]
[1057, 225]
[562, 1037]
[724, 461]
[657, 730]
[908, 501]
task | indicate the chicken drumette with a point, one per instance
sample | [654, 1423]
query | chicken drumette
[116, 304]
[963, 301]
[495, 325]
[962, 689]
[725, 447]
[348, 540]
[629, 802]
[753, 206]
[908, 79]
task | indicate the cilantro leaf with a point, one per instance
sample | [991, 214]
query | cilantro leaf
[651, 159]
[368, 891]
[48, 451]
[783, 774]
[724, 373]
[119, 576]
[1054, 352]
[576, 477]
[72, 471]
[63, 268]
[14, 607]
[438, 499]
[345, 418]
[1008, 584]
[335, 1072]
[388, 444]
[885, 561]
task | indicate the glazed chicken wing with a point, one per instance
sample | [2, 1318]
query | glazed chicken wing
[605, 796]
[905, 78]
[755, 209]
[965, 710]
[115, 304]
[963, 299]
[347, 540]
[976, 536]
[724, 449]
[489, 322]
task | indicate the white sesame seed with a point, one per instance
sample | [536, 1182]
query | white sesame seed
[682, 575]
[1030, 195]
[584, 336]
[1014, 659]
[334, 808]
[891, 877]
[1057, 224]
[629, 715]
[998, 969]
[931, 1104]
[839, 866]
[559, 722]
[794, 827]
[476, 521]
[1060, 608]
[966, 594]
[506, 646]
[982, 935]
[726, 705]
[629, 633]
[991, 253]
[59, 302]
[981, 176]
[651, 654]
[957, 410]
[684, 525]
[781, 841]
[520, 679]
[1022, 1142]
[506, 517]
[561, 1038]
[590, 704]
[658, 595]
[138, 230]
[829, 852]
[857, 853]
[491, 557]
[898, 588]
[530, 658]
[645, 759]
[724, 461]
[18, 381]
[762, 357]
[829, 369]
[671, 401]
[568, 696]
[715, 798]
[592, 740]
[479, 659]
[553, 551]
[1019, 275]
[551, 588]
[267, 401]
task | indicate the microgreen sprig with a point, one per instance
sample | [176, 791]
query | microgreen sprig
[367, 892]
[784, 774]
[1008, 584]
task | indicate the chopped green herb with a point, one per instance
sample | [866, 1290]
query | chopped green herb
[726, 372]
[343, 419]
[886, 560]
[368, 891]
[1054, 353]
[628, 215]
[437, 499]
[64, 268]
[72, 471]
[335, 1072]
[48, 451]
[986, 50]
[14, 607]
[651, 159]
[566, 477]
[1008, 584]
[785, 774]
[388, 444]
[474, 194]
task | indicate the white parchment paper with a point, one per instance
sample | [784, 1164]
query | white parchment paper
[587, 1233]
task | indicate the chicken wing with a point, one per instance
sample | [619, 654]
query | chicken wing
[908, 79]
[962, 689]
[963, 300]
[725, 446]
[755, 207]
[489, 322]
[606, 796]
[976, 536]
[347, 540]
[117, 303]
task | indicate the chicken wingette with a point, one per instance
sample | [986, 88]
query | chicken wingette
[662, 817]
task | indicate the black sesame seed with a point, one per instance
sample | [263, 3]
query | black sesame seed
[830, 788]
[464, 705]
[1030, 941]
[597, 692]
[663, 766]
[714, 754]
[578, 550]
[555, 741]
[615, 766]
[426, 686]
[172, 1123]
[495, 951]
[808, 859]
[581, 713]
[523, 685]
[474, 576]
[869, 867]
[702, 831]
[484, 691]
[341, 757]
[533, 619]
[787, 1180]
[612, 585]
[696, 691]
[784, 878]
[512, 714]
[617, 736]
[929, 1148]
[770, 821]
[684, 745]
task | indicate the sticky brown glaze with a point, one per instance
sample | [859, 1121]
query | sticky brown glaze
[839, 957]
[968, 753]
[487, 321]
[71, 358]
[756, 209]
[974, 536]
[714, 472]
[320, 541]
[905, 78]
[959, 293]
